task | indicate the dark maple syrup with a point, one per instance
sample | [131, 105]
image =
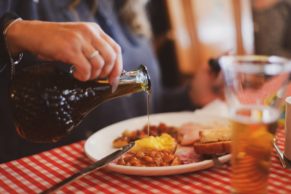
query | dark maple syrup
[49, 103]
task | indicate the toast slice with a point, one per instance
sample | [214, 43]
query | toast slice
[213, 141]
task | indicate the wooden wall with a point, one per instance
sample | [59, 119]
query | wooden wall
[207, 28]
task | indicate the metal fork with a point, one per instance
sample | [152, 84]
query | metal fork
[95, 166]
[284, 161]
[216, 161]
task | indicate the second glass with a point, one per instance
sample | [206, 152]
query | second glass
[255, 86]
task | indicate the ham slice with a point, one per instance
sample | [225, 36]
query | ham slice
[187, 154]
[189, 133]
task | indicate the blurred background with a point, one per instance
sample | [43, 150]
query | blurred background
[188, 33]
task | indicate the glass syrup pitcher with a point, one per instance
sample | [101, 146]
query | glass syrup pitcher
[49, 103]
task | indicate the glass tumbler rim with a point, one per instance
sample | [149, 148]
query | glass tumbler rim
[259, 63]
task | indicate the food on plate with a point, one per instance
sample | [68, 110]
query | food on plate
[154, 130]
[152, 151]
[149, 158]
[168, 146]
[187, 154]
[165, 142]
[188, 133]
[213, 141]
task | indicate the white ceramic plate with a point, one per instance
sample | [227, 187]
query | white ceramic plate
[100, 144]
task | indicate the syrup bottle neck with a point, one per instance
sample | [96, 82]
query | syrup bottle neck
[139, 76]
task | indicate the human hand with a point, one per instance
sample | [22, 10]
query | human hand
[263, 4]
[84, 45]
[205, 87]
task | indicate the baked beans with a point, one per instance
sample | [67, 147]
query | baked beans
[150, 159]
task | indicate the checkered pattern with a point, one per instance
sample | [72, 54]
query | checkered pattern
[38, 172]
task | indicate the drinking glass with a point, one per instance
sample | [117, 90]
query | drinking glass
[254, 91]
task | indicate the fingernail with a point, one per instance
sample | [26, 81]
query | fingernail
[114, 84]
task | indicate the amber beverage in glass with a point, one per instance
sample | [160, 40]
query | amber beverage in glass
[255, 87]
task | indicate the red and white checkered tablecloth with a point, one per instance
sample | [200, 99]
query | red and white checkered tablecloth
[38, 172]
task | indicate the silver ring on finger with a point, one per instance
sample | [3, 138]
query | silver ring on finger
[94, 54]
[72, 69]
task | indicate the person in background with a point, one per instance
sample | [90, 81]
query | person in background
[272, 29]
[118, 30]
[206, 86]
[272, 36]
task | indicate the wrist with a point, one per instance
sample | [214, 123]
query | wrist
[5, 57]
[27, 35]
[13, 37]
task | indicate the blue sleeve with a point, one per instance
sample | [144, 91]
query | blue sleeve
[5, 6]
[5, 19]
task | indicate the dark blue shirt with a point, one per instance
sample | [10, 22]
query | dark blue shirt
[136, 50]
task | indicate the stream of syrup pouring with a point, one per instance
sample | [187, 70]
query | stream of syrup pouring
[148, 110]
